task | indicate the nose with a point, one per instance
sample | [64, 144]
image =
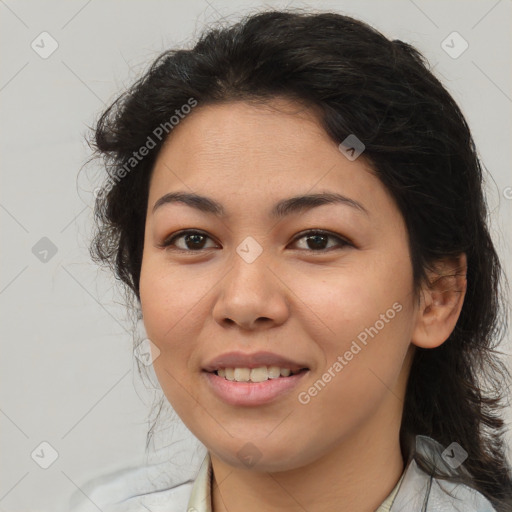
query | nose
[251, 296]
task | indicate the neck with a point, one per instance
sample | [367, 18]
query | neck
[356, 475]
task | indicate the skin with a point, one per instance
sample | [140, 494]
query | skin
[341, 450]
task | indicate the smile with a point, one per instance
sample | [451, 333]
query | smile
[246, 392]
[260, 374]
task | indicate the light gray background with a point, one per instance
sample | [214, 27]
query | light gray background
[67, 368]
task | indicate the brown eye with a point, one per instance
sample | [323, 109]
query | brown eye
[318, 241]
[190, 241]
[195, 241]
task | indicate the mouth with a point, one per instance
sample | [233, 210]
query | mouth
[253, 379]
[236, 387]
[258, 374]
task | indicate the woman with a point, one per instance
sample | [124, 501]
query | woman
[296, 205]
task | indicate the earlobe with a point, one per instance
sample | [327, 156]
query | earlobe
[441, 302]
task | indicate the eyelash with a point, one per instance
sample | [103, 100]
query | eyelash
[168, 242]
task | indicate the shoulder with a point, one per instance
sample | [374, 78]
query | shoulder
[447, 495]
[420, 492]
[157, 487]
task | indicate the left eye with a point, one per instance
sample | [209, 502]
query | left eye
[194, 241]
[316, 240]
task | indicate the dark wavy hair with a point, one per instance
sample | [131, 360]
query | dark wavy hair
[420, 147]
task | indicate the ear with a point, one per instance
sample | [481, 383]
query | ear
[440, 302]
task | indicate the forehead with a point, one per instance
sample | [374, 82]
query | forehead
[250, 156]
[239, 130]
[251, 160]
[278, 141]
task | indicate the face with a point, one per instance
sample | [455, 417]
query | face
[324, 285]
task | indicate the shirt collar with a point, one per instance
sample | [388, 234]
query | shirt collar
[201, 497]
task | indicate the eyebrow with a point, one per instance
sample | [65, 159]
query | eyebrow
[281, 209]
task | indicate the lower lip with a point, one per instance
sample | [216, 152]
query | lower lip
[252, 393]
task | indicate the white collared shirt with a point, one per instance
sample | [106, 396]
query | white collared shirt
[152, 489]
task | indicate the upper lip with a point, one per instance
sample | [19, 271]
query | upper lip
[254, 360]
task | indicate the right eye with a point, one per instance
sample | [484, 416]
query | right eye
[192, 241]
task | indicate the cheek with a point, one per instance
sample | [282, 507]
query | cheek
[364, 316]
[344, 302]
[362, 367]
[169, 293]
[169, 300]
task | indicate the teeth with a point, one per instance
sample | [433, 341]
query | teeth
[259, 374]
[274, 372]
[242, 374]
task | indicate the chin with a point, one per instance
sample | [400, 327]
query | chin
[262, 456]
